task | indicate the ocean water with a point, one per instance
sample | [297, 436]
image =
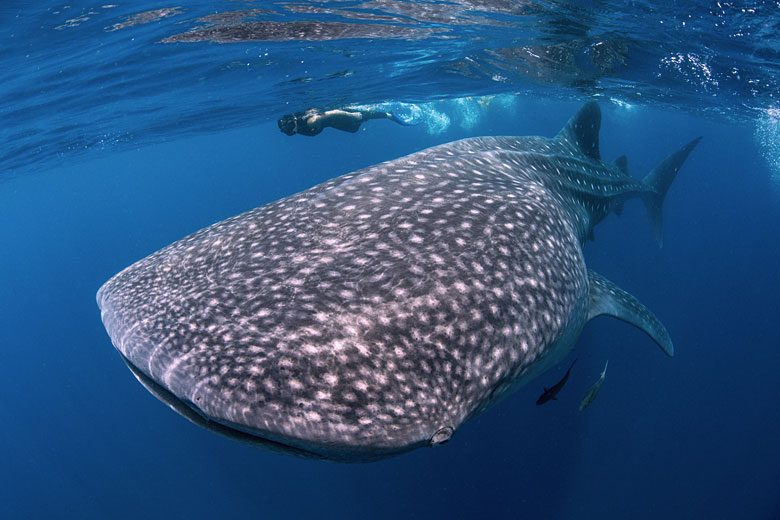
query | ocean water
[129, 126]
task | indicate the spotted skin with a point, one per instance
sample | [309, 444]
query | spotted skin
[378, 311]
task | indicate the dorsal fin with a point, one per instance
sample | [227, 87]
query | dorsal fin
[607, 298]
[582, 130]
[622, 164]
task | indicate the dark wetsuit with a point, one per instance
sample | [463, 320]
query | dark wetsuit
[311, 122]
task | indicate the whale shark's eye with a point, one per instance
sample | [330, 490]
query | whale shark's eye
[442, 436]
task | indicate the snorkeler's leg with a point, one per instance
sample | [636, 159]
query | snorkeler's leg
[400, 121]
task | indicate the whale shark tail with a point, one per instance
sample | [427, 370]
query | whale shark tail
[659, 181]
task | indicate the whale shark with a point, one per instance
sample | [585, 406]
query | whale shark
[381, 310]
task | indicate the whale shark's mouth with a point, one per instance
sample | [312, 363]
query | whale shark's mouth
[192, 413]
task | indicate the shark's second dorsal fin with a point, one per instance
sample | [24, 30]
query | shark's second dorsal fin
[608, 299]
[622, 164]
[582, 130]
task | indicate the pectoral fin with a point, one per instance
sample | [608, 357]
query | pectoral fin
[608, 299]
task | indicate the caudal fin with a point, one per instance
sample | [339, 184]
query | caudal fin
[659, 180]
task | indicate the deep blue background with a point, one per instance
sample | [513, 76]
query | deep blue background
[695, 436]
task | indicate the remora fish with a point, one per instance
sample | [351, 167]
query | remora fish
[379, 311]
[593, 391]
[552, 392]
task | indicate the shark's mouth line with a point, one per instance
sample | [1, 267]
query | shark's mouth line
[193, 414]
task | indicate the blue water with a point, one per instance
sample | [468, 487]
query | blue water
[115, 144]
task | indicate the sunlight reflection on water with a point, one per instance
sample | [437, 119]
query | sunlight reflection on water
[768, 137]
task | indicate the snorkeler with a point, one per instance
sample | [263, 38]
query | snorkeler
[312, 121]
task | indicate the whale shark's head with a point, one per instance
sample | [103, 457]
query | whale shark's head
[326, 366]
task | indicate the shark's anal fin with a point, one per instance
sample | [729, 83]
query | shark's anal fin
[622, 164]
[608, 299]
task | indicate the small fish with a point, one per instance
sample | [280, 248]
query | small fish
[552, 392]
[594, 390]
